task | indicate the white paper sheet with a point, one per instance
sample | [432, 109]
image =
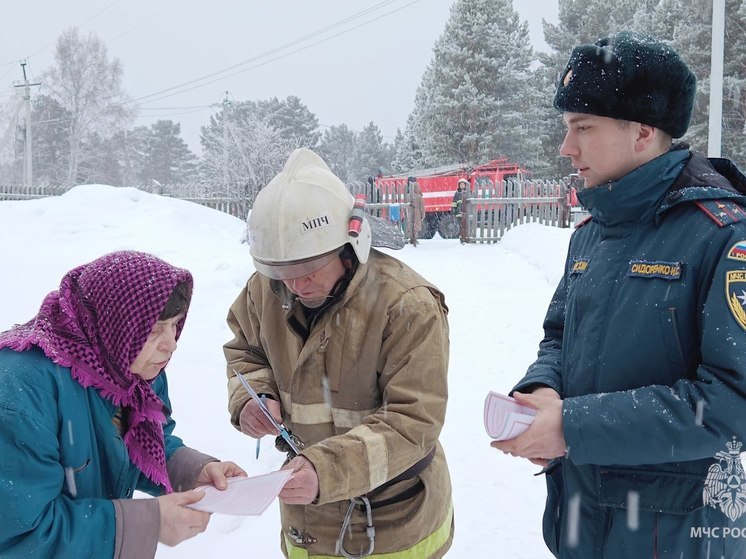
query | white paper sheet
[504, 418]
[245, 495]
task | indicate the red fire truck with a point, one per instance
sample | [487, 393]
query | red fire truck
[438, 187]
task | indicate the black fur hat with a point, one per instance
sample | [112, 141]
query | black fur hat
[629, 76]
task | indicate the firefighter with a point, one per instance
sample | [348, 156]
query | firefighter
[349, 346]
[640, 380]
[458, 198]
[415, 210]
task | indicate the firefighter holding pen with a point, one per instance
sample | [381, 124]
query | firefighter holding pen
[347, 349]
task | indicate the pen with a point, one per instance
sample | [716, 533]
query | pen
[281, 428]
[259, 440]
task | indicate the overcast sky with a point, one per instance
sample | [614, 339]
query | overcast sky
[349, 62]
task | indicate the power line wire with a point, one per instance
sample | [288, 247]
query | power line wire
[102, 10]
[140, 24]
[173, 108]
[196, 110]
[282, 47]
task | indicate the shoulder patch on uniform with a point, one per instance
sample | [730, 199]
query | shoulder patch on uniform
[738, 251]
[579, 266]
[647, 269]
[722, 212]
[735, 292]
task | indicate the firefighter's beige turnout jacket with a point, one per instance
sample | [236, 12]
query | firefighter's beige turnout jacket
[366, 393]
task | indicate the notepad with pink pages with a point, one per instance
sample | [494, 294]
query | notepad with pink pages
[504, 417]
[245, 496]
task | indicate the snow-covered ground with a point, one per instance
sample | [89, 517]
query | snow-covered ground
[497, 295]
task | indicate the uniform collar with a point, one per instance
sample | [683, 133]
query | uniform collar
[637, 195]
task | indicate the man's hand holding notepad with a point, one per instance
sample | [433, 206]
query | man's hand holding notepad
[504, 418]
[244, 495]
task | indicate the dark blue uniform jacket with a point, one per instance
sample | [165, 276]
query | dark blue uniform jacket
[645, 340]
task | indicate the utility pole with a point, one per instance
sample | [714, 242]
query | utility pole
[226, 107]
[28, 173]
[714, 136]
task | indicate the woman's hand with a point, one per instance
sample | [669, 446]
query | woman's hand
[217, 474]
[179, 523]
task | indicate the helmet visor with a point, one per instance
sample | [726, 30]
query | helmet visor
[295, 269]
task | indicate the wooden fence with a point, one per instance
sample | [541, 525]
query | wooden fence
[488, 210]
[236, 208]
[191, 193]
[17, 192]
[491, 209]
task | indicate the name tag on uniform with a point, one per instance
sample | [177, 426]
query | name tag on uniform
[647, 269]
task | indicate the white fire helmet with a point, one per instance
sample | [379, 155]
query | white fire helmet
[301, 220]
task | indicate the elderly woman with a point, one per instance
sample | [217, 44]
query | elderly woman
[85, 418]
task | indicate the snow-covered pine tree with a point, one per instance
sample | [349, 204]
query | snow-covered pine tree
[408, 153]
[291, 119]
[99, 163]
[659, 18]
[51, 124]
[371, 154]
[397, 149]
[133, 147]
[693, 39]
[168, 159]
[477, 95]
[337, 147]
[734, 111]
[693, 42]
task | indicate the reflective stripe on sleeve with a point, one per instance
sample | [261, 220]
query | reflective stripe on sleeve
[318, 414]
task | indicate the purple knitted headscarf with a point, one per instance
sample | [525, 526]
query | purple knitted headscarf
[96, 324]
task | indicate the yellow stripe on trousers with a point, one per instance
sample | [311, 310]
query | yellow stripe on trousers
[425, 548]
